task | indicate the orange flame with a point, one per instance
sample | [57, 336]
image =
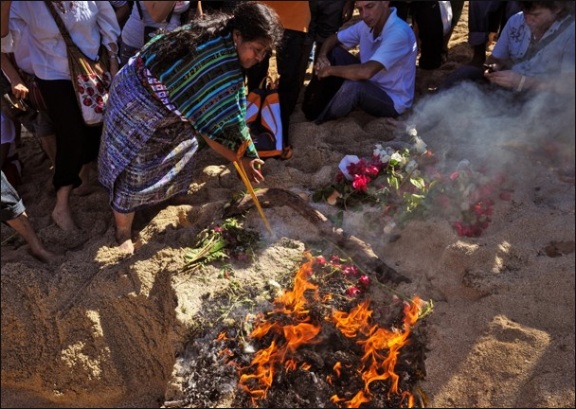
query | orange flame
[292, 304]
[381, 346]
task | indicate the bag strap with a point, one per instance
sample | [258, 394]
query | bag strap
[63, 30]
[533, 50]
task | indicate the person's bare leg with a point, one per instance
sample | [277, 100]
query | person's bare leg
[24, 228]
[124, 231]
[84, 188]
[62, 215]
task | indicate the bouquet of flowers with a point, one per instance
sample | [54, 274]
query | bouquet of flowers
[390, 179]
[228, 240]
[403, 184]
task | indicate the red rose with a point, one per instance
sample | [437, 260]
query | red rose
[87, 101]
[360, 183]
[364, 280]
[90, 91]
[353, 292]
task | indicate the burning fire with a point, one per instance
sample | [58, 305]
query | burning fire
[292, 328]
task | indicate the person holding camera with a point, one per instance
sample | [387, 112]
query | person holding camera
[535, 52]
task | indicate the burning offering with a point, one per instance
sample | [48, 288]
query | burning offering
[325, 343]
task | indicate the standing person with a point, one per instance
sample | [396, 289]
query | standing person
[184, 87]
[456, 6]
[14, 215]
[91, 24]
[327, 16]
[149, 15]
[9, 161]
[291, 58]
[427, 22]
[225, 6]
[122, 10]
[16, 66]
[381, 81]
[485, 17]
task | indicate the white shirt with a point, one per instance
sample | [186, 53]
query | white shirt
[396, 49]
[133, 31]
[90, 24]
[516, 39]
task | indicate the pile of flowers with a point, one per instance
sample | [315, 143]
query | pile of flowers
[225, 241]
[466, 198]
[355, 282]
[405, 183]
[343, 284]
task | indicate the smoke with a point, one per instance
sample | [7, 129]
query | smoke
[470, 121]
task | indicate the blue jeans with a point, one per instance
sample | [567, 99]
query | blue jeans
[12, 205]
[355, 94]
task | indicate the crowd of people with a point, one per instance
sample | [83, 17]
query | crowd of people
[182, 69]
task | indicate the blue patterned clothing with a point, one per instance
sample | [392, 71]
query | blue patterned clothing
[153, 122]
[206, 88]
[516, 41]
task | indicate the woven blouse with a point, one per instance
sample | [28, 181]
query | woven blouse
[206, 88]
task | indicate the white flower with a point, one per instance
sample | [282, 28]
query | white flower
[419, 145]
[397, 156]
[411, 131]
[343, 166]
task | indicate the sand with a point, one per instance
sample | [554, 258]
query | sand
[103, 330]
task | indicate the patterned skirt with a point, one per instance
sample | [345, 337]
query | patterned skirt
[146, 153]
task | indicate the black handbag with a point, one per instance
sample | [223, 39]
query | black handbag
[17, 109]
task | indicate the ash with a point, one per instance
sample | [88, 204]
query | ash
[218, 354]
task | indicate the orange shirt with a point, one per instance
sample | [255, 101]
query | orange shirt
[294, 15]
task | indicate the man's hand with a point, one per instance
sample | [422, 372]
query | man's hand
[507, 78]
[321, 67]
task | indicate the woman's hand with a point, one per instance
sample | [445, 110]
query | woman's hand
[251, 166]
[19, 90]
[253, 169]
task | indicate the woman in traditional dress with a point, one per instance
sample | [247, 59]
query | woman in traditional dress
[184, 87]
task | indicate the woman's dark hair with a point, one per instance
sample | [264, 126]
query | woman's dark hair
[254, 21]
[564, 7]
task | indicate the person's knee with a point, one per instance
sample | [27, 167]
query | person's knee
[340, 56]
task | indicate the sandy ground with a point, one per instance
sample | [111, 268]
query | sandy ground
[103, 330]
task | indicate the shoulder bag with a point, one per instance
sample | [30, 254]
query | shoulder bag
[91, 78]
[263, 117]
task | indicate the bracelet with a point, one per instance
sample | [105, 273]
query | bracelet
[521, 83]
